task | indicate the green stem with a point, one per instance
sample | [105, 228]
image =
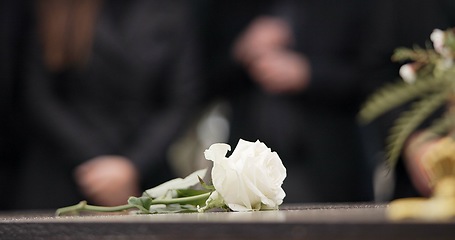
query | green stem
[83, 206]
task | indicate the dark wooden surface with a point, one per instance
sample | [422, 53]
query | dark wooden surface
[324, 221]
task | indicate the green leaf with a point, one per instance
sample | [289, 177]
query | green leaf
[409, 121]
[443, 125]
[417, 54]
[188, 203]
[194, 200]
[450, 39]
[395, 94]
[214, 201]
[190, 192]
[205, 185]
[184, 193]
[166, 188]
[403, 54]
[142, 203]
[174, 208]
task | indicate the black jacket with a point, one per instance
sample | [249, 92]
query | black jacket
[133, 97]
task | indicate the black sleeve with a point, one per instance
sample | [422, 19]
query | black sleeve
[183, 91]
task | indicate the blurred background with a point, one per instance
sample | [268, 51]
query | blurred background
[103, 99]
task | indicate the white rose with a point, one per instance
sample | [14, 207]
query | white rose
[250, 179]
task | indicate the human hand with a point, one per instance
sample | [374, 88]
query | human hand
[261, 36]
[108, 180]
[281, 72]
[263, 50]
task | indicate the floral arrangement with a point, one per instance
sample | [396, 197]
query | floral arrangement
[429, 84]
[248, 180]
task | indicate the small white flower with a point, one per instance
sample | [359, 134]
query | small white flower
[438, 39]
[250, 179]
[408, 73]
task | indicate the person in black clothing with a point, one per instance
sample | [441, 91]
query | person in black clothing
[106, 87]
[13, 19]
[296, 73]
[296, 89]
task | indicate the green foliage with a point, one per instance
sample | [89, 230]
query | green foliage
[174, 208]
[141, 203]
[186, 193]
[443, 125]
[408, 121]
[205, 185]
[450, 40]
[416, 54]
[175, 196]
[434, 85]
[395, 94]
[190, 192]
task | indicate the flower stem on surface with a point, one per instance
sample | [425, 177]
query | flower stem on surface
[83, 206]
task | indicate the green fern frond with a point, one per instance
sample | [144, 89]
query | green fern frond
[395, 94]
[409, 121]
[416, 54]
[450, 40]
[403, 54]
[443, 125]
